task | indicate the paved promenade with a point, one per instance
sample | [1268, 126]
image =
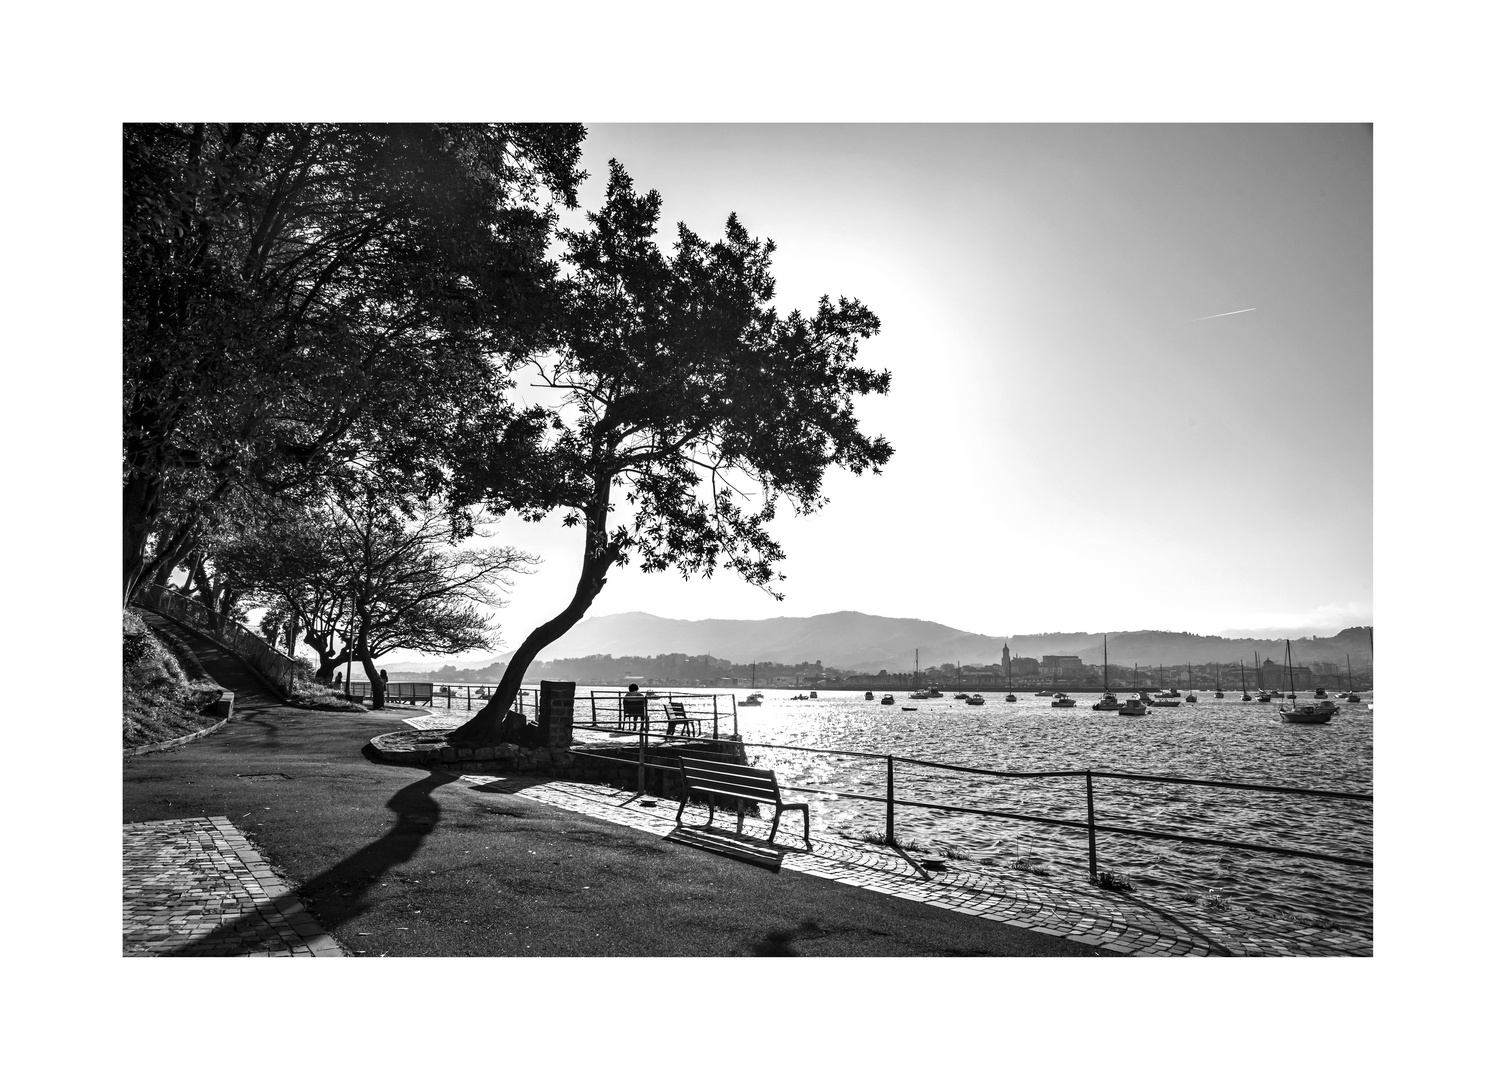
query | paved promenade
[197, 887]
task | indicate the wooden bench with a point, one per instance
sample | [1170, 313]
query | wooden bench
[634, 712]
[741, 782]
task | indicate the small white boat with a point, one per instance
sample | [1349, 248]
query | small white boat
[1108, 703]
[959, 696]
[975, 699]
[1011, 698]
[752, 699]
[867, 696]
[1133, 706]
[1062, 700]
[887, 699]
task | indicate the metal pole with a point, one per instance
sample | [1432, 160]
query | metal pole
[1091, 824]
[888, 833]
[470, 699]
[714, 716]
[643, 735]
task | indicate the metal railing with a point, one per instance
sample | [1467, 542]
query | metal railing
[244, 643]
[1090, 825]
[467, 695]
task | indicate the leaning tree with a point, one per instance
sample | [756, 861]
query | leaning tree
[691, 409]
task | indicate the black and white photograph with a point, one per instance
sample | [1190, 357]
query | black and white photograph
[613, 500]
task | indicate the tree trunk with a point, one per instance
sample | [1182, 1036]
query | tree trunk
[484, 728]
[376, 684]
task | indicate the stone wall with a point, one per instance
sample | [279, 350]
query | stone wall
[615, 766]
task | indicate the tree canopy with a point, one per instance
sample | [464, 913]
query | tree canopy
[298, 296]
[692, 409]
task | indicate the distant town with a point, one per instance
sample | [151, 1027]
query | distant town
[1020, 672]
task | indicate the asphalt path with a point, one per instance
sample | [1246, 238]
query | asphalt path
[395, 861]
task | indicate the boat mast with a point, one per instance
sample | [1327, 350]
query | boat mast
[1103, 663]
[1350, 683]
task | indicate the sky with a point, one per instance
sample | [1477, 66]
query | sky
[1079, 444]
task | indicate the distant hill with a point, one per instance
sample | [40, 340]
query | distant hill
[853, 641]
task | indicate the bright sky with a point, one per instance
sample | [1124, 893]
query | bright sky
[1078, 446]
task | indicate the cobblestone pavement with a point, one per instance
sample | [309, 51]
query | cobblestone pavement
[1114, 921]
[198, 887]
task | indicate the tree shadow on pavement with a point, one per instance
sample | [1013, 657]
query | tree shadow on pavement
[343, 885]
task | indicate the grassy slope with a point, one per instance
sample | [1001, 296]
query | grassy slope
[162, 700]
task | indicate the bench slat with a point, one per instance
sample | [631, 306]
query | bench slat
[755, 794]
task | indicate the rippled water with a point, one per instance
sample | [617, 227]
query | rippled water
[1211, 740]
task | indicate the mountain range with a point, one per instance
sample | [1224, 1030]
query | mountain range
[853, 641]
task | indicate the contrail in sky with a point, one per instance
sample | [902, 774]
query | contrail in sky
[1239, 311]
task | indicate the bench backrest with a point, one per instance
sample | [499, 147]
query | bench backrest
[726, 778]
[633, 706]
[677, 710]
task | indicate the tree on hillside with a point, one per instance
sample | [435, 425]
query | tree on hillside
[362, 577]
[690, 402]
[300, 295]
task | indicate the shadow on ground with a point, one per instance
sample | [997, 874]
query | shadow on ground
[416, 815]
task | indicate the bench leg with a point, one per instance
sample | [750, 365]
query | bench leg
[807, 828]
[775, 827]
[740, 815]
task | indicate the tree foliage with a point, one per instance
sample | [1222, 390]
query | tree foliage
[359, 578]
[298, 296]
[691, 405]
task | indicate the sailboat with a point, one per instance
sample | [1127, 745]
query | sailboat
[1219, 692]
[1318, 712]
[1190, 697]
[1243, 668]
[1262, 694]
[1137, 705]
[1012, 697]
[1165, 701]
[1108, 702]
[1352, 696]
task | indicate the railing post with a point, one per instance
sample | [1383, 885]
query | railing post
[592, 697]
[1091, 824]
[643, 736]
[888, 827]
[714, 717]
[470, 699]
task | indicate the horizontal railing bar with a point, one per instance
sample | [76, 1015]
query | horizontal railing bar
[1233, 784]
[988, 772]
[1345, 859]
[1142, 832]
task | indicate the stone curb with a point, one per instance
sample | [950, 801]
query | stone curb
[169, 744]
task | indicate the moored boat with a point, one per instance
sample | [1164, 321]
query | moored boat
[1133, 706]
[975, 699]
[1062, 700]
[887, 699]
[1318, 712]
[1108, 702]
[752, 699]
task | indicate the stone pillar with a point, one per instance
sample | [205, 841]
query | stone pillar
[557, 700]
